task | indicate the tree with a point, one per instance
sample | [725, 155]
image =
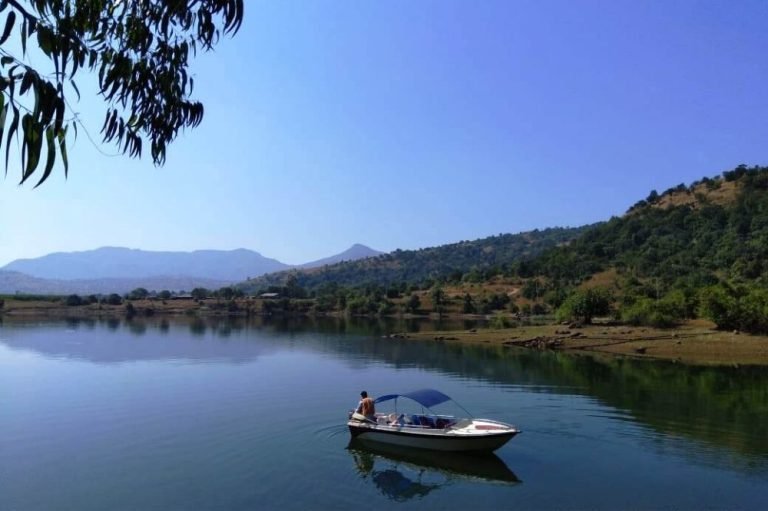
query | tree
[114, 299]
[227, 292]
[140, 51]
[200, 293]
[74, 300]
[413, 304]
[138, 294]
[468, 306]
[438, 298]
[585, 305]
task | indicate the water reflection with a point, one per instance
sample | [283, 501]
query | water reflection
[403, 474]
[719, 406]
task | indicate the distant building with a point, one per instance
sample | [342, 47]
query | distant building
[269, 295]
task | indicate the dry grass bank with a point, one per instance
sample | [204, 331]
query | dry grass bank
[693, 343]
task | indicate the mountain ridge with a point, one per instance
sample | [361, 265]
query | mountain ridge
[120, 269]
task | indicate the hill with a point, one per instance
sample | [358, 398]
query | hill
[12, 282]
[121, 263]
[153, 269]
[120, 270]
[478, 259]
[353, 253]
[714, 229]
[696, 251]
[699, 250]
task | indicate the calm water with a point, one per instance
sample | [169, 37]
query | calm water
[196, 415]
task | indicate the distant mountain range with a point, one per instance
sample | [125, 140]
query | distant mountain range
[12, 282]
[120, 263]
[116, 269]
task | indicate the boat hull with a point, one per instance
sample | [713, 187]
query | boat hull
[430, 439]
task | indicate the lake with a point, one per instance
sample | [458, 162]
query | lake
[214, 414]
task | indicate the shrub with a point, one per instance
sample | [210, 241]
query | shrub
[649, 312]
[73, 300]
[499, 321]
[114, 299]
[743, 308]
[413, 304]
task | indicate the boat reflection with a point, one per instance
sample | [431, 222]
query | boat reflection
[404, 473]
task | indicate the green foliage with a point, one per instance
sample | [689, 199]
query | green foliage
[555, 297]
[164, 294]
[661, 257]
[200, 293]
[477, 261]
[73, 300]
[114, 299]
[532, 289]
[138, 294]
[438, 299]
[494, 302]
[585, 305]
[227, 293]
[292, 288]
[739, 307]
[140, 53]
[286, 306]
[21, 297]
[468, 304]
[413, 304]
[499, 322]
[656, 313]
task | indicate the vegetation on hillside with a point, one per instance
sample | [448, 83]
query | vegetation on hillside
[695, 251]
[679, 255]
[466, 261]
[691, 251]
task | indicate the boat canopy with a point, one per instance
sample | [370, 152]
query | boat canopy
[425, 397]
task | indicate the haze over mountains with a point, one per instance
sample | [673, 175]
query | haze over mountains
[116, 269]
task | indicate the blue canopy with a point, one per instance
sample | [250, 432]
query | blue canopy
[425, 397]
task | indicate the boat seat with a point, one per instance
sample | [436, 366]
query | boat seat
[427, 421]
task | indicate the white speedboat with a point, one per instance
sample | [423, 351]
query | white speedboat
[428, 430]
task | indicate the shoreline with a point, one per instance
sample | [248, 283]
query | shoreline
[695, 342]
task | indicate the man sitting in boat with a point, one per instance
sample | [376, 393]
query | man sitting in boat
[366, 407]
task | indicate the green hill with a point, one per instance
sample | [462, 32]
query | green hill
[692, 251]
[699, 250]
[475, 260]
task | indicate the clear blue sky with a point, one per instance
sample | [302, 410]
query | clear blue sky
[404, 124]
